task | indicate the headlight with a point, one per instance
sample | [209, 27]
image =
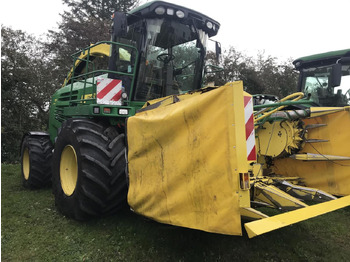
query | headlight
[170, 11]
[124, 95]
[96, 110]
[123, 111]
[209, 25]
[180, 14]
[160, 10]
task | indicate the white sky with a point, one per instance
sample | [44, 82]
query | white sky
[280, 28]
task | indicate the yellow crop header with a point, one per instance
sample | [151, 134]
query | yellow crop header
[193, 165]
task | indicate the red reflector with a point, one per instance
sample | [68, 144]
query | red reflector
[245, 183]
[106, 110]
[246, 177]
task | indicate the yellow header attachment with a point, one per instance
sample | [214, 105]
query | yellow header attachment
[185, 160]
[192, 163]
[265, 225]
[324, 161]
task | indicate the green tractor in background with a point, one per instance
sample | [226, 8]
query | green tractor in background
[156, 50]
[325, 78]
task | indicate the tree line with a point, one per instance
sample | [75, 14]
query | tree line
[32, 68]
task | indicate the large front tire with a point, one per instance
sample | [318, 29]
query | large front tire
[89, 169]
[36, 155]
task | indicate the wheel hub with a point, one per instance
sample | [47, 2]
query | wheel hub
[26, 164]
[68, 170]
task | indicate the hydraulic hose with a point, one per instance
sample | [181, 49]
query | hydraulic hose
[261, 114]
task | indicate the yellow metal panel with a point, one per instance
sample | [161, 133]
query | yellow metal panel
[278, 138]
[319, 111]
[330, 175]
[319, 157]
[275, 197]
[271, 139]
[185, 159]
[252, 214]
[265, 225]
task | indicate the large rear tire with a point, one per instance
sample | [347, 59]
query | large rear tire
[89, 169]
[36, 156]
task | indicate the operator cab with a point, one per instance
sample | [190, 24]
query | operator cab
[171, 45]
[325, 78]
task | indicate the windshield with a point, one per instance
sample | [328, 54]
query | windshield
[171, 60]
[316, 84]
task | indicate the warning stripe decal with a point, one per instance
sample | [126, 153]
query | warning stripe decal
[106, 86]
[117, 96]
[109, 91]
[249, 128]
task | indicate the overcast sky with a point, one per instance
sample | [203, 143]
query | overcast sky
[279, 28]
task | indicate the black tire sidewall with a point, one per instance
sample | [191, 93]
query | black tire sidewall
[101, 187]
[40, 158]
[65, 203]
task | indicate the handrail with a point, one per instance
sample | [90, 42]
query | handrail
[84, 56]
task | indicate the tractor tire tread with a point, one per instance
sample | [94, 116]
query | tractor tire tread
[40, 155]
[101, 186]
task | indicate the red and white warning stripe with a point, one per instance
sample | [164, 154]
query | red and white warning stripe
[249, 128]
[109, 91]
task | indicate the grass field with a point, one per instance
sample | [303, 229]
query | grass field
[32, 230]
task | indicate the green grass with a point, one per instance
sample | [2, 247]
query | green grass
[32, 230]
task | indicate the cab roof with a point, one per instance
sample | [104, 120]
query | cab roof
[320, 59]
[171, 10]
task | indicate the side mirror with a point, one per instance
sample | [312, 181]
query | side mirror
[336, 75]
[217, 51]
[336, 71]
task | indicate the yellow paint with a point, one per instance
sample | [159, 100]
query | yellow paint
[271, 140]
[318, 157]
[330, 175]
[277, 138]
[185, 159]
[307, 193]
[252, 214]
[257, 170]
[68, 170]
[319, 111]
[275, 197]
[88, 96]
[26, 163]
[165, 101]
[265, 225]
